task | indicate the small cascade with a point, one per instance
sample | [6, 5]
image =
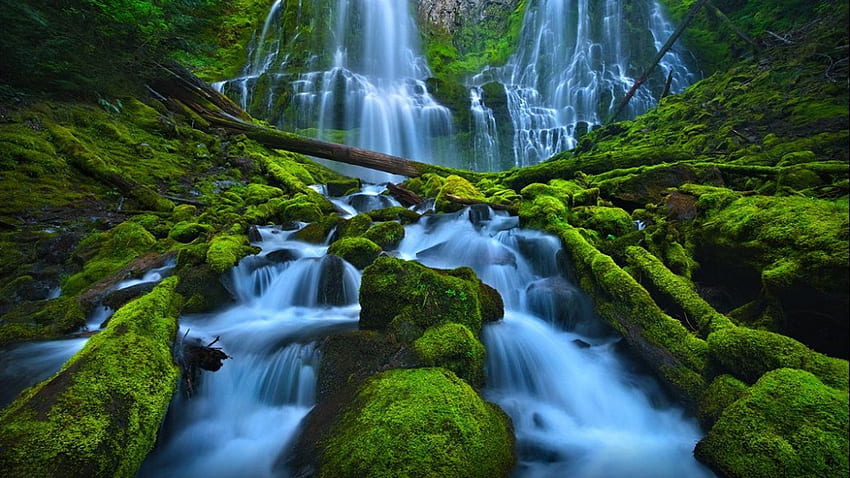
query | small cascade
[485, 139]
[573, 64]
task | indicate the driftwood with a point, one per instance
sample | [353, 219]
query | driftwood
[184, 93]
[663, 51]
[741, 34]
[195, 358]
[404, 195]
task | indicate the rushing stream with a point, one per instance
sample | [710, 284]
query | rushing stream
[576, 405]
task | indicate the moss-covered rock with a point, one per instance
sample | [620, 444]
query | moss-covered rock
[748, 354]
[720, 393]
[187, 231]
[226, 250]
[418, 422]
[456, 187]
[358, 251]
[397, 213]
[391, 286]
[788, 424]
[607, 221]
[301, 208]
[343, 186]
[42, 319]
[105, 253]
[100, 414]
[386, 234]
[355, 226]
[454, 347]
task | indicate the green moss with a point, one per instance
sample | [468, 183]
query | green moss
[392, 286]
[420, 422]
[260, 193]
[358, 251]
[680, 357]
[607, 221]
[787, 424]
[723, 391]
[683, 292]
[541, 211]
[301, 208]
[187, 231]
[100, 414]
[43, 319]
[456, 187]
[454, 347]
[748, 354]
[107, 253]
[396, 213]
[225, 251]
[355, 227]
[386, 234]
[343, 186]
[317, 232]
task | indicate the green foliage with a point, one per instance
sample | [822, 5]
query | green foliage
[386, 234]
[787, 424]
[418, 422]
[723, 391]
[100, 414]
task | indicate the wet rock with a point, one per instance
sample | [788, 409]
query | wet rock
[115, 299]
[281, 255]
[330, 289]
[254, 234]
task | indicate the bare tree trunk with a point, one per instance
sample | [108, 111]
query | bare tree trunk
[663, 51]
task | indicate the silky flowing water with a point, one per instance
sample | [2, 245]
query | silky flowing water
[578, 406]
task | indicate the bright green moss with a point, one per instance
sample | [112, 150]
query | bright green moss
[607, 221]
[225, 251]
[260, 193]
[456, 187]
[42, 319]
[787, 424]
[317, 232]
[542, 210]
[110, 251]
[418, 422]
[187, 231]
[358, 251]
[679, 289]
[342, 186]
[396, 213]
[680, 357]
[386, 234]
[100, 414]
[301, 208]
[355, 227]
[723, 391]
[748, 354]
[391, 286]
[454, 347]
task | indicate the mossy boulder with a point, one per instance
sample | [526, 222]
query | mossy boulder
[748, 354]
[396, 213]
[355, 226]
[720, 393]
[418, 423]
[454, 347]
[187, 231]
[788, 424]
[184, 212]
[100, 414]
[106, 252]
[456, 187]
[301, 208]
[342, 186]
[358, 251]
[226, 250]
[386, 234]
[393, 286]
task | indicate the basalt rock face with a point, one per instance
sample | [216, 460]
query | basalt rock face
[452, 15]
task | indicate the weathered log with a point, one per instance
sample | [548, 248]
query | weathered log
[184, 93]
[471, 202]
[404, 195]
[741, 34]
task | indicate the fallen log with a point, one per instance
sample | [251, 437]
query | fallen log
[404, 195]
[472, 202]
[184, 93]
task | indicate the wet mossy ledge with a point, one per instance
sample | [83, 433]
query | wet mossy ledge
[100, 414]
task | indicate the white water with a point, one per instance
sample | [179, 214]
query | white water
[573, 64]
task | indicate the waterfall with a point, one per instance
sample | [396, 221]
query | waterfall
[371, 93]
[573, 64]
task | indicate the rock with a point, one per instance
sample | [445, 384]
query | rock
[115, 299]
[281, 255]
[453, 347]
[358, 251]
[254, 234]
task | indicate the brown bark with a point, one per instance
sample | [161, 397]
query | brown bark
[404, 195]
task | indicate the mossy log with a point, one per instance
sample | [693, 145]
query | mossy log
[100, 414]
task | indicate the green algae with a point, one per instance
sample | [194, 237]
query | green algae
[100, 414]
[418, 422]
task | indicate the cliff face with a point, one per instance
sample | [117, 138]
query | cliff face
[454, 15]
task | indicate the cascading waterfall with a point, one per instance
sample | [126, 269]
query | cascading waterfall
[573, 64]
[371, 95]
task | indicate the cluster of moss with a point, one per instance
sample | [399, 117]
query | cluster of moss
[419, 422]
[100, 414]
